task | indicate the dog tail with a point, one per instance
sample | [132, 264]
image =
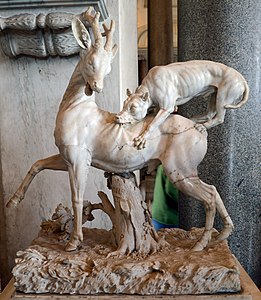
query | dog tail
[244, 99]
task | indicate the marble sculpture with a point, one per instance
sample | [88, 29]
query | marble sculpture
[88, 136]
[175, 84]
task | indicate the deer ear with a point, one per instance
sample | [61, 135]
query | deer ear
[81, 34]
[114, 50]
[128, 92]
[145, 96]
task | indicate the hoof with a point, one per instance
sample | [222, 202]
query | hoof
[221, 237]
[72, 246]
[115, 254]
[14, 201]
[225, 233]
[198, 247]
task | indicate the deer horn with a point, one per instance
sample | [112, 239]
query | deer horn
[94, 22]
[108, 32]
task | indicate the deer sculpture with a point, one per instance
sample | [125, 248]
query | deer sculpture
[95, 59]
[88, 136]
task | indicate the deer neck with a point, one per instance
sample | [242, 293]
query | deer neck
[74, 93]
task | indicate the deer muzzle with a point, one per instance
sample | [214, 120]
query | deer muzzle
[93, 86]
[97, 86]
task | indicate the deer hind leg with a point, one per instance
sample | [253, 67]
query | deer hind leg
[54, 162]
[228, 224]
[199, 190]
[78, 160]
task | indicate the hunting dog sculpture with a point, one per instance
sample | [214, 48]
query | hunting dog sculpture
[88, 136]
[169, 86]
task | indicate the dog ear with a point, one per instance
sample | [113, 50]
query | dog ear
[145, 96]
[128, 92]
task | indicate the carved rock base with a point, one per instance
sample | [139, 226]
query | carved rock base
[46, 268]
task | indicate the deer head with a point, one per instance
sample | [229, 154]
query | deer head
[95, 58]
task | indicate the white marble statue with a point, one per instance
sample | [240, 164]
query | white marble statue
[95, 59]
[88, 136]
[94, 139]
[177, 83]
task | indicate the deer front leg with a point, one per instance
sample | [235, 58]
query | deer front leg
[161, 116]
[79, 161]
[54, 162]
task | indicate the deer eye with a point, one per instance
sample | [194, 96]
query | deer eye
[90, 63]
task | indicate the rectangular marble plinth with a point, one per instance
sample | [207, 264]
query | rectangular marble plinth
[174, 272]
[137, 297]
[249, 292]
[45, 268]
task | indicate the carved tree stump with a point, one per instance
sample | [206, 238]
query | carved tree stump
[131, 219]
[130, 216]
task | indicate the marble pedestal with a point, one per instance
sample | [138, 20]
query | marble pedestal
[46, 268]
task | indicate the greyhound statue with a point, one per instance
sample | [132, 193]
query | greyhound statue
[175, 84]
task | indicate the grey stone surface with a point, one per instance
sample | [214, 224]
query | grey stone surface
[229, 32]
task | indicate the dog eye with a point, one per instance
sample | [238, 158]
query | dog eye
[133, 108]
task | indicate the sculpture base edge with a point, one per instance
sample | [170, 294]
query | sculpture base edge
[45, 267]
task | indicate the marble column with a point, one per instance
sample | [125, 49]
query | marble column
[229, 32]
[160, 52]
[160, 32]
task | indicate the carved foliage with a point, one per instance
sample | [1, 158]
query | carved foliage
[38, 35]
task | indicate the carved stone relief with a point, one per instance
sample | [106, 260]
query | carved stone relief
[41, 35]
[98, 5]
